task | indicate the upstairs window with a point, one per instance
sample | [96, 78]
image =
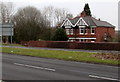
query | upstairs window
[92, 30]
[81, 30]
[71, 31]
[67, 31]
[86, 30]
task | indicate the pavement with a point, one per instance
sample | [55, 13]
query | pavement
[77, 50]
[18, 67]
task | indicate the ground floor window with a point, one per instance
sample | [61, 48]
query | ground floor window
[83, 40]
[70, 40]
[92, 40]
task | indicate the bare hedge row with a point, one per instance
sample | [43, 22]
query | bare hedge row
[73, 45]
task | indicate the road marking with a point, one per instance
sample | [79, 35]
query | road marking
[105, 78]
[36, 67]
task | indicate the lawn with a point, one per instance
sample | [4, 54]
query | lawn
[59, 54]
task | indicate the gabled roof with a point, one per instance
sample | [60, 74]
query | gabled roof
[74, 20]
[90, 21]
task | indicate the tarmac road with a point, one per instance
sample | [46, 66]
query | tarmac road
[17, 67]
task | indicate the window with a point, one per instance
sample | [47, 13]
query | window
[83, 40]
[71, 31]
[67, 31]
[81, 30]
[86, 30]
[92, 40]
[72, 40]
[92, 30]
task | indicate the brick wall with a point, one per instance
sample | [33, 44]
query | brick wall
[100, 31]
[73, 45]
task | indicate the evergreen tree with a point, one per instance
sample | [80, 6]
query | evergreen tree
[87, 10]
[60, 35]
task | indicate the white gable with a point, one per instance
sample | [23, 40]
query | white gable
[66, 23]
[81, 22]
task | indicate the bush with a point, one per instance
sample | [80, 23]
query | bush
[60, 35]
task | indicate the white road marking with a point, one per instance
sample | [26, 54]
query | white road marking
[105, 78]
[19, 64]
[43, 68]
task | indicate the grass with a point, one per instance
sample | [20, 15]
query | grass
[11, 44]
[59, 54]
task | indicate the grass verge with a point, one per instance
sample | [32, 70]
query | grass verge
[11, 44]
[60, 54]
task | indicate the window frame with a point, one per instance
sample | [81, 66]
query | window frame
[86, 31]
[92, 41]
[92, 29]
[67, 31]
[82, 30]
[71, 31]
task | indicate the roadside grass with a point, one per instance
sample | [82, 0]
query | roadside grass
[60, 54]
[11, 44]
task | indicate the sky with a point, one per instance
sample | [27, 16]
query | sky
[106, 10]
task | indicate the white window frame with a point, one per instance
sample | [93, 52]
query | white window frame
[71, 31]
[67, 31]
[80, 30]
[92, 30]
[86, 31]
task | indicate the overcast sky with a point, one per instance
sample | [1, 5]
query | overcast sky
[106, 10]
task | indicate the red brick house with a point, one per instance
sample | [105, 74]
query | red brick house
[88, 29]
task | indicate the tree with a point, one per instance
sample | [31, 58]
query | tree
[48, 13]
[87, 10]
[55, 15]
[29, 24]
[6, 12]
[69, 15]
[60, 35]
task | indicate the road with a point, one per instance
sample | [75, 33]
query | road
[17, 67]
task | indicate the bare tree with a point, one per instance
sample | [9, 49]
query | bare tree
[54, 15]
[60, 14]
[29, 24]
[6, 11]
[48, 13]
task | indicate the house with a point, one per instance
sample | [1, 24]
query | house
[86, 28]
